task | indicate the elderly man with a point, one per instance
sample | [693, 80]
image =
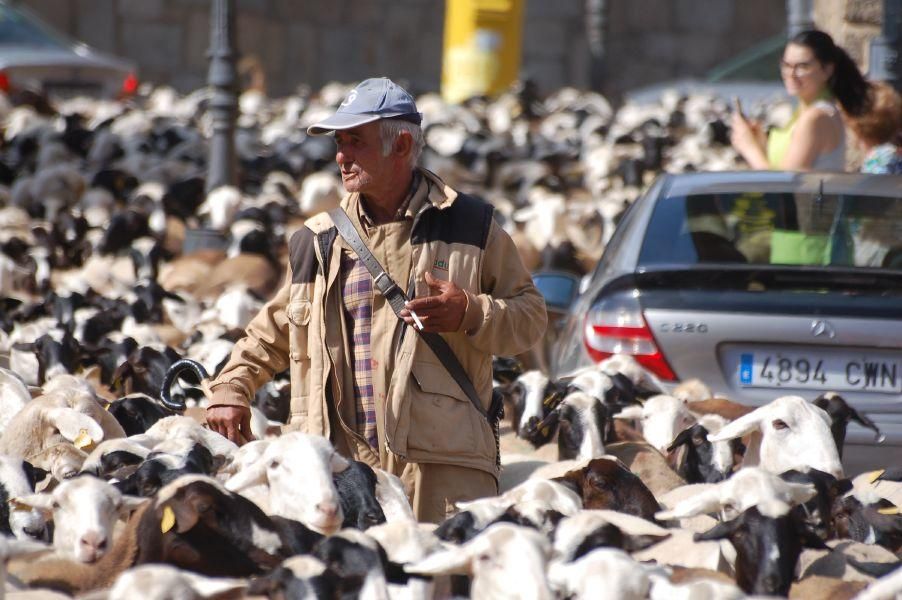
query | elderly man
[362, 373]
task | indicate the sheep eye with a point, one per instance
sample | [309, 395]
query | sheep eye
[780, 424]
[274, 464]
[698, 440]
[69, 474]
[484, 558]
[203, 507]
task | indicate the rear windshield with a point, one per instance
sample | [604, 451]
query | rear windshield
[17, 29]
[785, 228]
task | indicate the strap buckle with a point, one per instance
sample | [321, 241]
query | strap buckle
[385, 284]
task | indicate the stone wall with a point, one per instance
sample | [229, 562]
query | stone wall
[852, 23]
[315, 41]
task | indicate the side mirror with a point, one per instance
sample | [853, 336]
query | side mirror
[558, 288]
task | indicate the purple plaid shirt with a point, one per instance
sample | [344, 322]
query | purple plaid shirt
[357, 297]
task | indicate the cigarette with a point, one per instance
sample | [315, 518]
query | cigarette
[416, 319]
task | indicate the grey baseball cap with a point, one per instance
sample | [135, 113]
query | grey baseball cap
[373, 99]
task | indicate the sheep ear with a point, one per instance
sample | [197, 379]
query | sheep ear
[684, 437]
[739, 427]
[523, 215]
[718, 532]
[130, 503]
[632, 413]
[451, 561]
[706, 501]
[339, 463]
[74, 425]
[209, 587]
[41, 502]
[249, 477]
[801, 492]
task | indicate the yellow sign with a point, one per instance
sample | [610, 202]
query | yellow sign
[482, 47]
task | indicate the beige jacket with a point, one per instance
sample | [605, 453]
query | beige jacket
[422, 414]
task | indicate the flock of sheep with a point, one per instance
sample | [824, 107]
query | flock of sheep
[610, 488]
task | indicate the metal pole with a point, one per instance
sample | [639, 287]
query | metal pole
[799, 16]
[223, 79]
[885, 56]
[595, 28]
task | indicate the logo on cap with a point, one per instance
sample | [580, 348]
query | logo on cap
[351, 97]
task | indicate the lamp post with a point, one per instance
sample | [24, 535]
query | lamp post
[885, 52]
[223, 79]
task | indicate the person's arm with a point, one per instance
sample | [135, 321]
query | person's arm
[812, 133]
[748, 140]
[255, 359]
[509, 317]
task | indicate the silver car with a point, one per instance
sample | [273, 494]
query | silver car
[761, 284]
[35, 57]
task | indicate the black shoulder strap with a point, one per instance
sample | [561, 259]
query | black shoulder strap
[397, 299]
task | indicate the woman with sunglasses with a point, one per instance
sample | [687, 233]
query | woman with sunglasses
[821, 75]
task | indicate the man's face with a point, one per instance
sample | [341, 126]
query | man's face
[359, 156]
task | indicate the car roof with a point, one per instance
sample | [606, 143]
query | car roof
[55, 49]
[783, 181]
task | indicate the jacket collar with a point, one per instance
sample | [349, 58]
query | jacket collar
[439, 195]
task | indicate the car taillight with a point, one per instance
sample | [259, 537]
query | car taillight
[615, 325]
[129, 84]
[4, 82]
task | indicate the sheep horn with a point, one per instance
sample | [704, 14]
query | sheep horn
[185, 364]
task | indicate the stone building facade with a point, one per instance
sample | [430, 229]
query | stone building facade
[312, 42]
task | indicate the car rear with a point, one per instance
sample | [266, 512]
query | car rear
[34, 57]
[763, 286]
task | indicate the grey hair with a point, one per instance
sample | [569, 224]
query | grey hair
[390, 129]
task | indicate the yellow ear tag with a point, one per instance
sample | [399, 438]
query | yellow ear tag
[873, 475]
[891, 510]
[544, 431]
[83, 440]
[168, 521]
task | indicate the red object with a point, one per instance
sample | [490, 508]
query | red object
[603, 340]
[130, 84]
[4, 82]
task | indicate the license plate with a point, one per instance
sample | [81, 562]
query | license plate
[821, 370]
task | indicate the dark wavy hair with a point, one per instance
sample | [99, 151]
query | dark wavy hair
[847, 83]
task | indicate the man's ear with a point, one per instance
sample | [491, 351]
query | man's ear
[403, 145]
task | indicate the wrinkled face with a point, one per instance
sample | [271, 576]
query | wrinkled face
[803, 74]
[364, 168]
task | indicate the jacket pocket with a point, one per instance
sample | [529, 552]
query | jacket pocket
[298, 312]
[442, 419]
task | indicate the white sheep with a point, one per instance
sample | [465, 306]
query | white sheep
[84, 511]
[165, 582]
[178, 426]
[661, 418]
[14, 396]
[571, 531]
[298, 469]
[532, 499]
[42, 424]
[505, 561]
[747, 487]
[604, 573]
[795, 435]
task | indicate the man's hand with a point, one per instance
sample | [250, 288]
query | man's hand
[442, 311]
[233, 422]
